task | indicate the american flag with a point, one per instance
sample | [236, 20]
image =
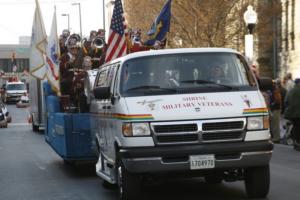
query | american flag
[116, 46]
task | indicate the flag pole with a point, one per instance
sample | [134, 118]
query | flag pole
[167, 40]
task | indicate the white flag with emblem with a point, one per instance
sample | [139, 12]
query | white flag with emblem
[38, 45]
[52, 57]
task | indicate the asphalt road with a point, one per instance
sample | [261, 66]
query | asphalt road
[31, 170]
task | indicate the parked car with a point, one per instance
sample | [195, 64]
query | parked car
[5, 112]
[3, 121]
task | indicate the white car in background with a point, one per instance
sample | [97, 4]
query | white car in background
[14, 91]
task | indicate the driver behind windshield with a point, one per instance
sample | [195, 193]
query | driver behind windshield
[216, 74]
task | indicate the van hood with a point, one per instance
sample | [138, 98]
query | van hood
[196, 106]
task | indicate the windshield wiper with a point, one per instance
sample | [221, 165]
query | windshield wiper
[151, 87]
[208, 82]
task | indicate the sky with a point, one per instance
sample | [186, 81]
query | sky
[16, 17]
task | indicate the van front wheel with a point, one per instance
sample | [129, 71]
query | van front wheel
[257, 181]
[129, 184]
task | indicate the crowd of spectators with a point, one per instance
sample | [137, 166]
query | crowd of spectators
[284, 106]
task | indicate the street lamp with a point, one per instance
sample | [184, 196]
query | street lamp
[67, 15]
[250, 18]
[78, 4]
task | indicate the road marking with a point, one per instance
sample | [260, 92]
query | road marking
[18, 124]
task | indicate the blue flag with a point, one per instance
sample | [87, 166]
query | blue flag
[160, 26]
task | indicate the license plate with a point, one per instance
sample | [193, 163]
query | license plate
[202, 162]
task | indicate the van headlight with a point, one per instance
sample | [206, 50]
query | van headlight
[258, 123]
[135, 129]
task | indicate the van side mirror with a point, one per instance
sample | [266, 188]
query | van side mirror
[101, 92]
[265, 83]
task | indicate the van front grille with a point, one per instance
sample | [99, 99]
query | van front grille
[198, 131]
[235, 135]
[175, 128]
[214, 126]
[177, 138]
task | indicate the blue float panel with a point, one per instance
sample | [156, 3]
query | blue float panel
[47, 89]
[52, 104]
[70, 136]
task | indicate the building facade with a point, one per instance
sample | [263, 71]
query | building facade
[14, 61]
[290, 31]
[14, 55]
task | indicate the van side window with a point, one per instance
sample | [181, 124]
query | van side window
[102, 77]
[105, 77]
[110, 74]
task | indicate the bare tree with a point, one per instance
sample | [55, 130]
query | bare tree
[198, 23]
[203, 23]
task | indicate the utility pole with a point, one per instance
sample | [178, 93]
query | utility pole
[103, 5]
[78, 4]
[67, 15]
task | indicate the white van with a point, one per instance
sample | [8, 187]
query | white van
[196, 112]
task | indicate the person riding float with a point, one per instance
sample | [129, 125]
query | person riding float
[136, 44]
[70, 64]
[95, 46]
[63, 40]
[78, 84]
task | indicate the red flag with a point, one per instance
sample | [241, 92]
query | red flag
[116, 46]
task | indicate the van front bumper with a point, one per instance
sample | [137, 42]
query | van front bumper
[13, 98]
[176, 158]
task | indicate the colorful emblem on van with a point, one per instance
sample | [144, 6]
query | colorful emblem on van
[133, 117]
[255, 111]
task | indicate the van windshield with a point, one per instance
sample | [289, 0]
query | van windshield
[185, 73]
[16, 87]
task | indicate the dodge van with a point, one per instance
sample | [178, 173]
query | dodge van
[191, 112]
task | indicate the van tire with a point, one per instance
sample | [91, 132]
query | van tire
[257, 181]
[129, 184]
